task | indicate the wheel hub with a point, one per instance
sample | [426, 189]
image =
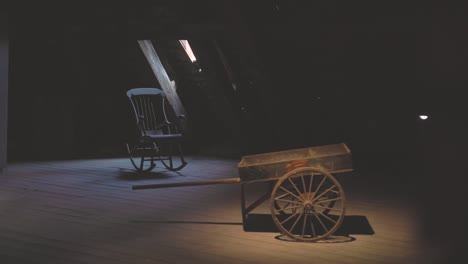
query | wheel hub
[308, 206]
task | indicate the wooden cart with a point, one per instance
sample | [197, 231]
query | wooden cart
[307, 202]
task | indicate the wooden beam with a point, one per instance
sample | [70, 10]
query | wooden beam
[3, 89]
[167, 85]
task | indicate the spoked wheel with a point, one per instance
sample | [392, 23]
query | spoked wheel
[307, 204]
[174, 158]
[142, 156]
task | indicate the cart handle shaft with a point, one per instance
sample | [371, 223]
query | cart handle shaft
[182, 184]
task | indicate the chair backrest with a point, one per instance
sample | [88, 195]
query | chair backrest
[151, 110]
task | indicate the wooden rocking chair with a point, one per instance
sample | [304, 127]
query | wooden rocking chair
[160, 131]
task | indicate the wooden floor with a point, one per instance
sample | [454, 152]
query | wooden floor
[84, 211]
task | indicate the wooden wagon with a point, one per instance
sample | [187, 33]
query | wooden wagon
[307, 202]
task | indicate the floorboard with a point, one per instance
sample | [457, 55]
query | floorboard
[84, 211]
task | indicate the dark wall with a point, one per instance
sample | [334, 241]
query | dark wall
[68, 85]
[71, 66]
[4, 65]
[308, 73]
[338, 72]
[359, 71]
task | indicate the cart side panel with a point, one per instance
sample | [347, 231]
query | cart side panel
[332, 158]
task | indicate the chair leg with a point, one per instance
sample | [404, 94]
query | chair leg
[181, 154]
[142, 156]
[171, 151]
[174, 166]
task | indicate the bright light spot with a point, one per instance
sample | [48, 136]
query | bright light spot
[188, 49]
[423, 117]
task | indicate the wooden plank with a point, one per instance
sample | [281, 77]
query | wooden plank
[167, 85]
[85, 212]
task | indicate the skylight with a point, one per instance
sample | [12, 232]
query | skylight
[188, 49]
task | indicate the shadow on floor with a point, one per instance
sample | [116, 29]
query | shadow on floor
[352, 224]
[132, 175]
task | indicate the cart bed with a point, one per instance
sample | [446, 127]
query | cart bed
[335, 158]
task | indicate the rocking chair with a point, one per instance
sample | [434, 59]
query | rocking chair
[159, 139]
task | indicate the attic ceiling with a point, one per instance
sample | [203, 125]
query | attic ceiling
[136, 20]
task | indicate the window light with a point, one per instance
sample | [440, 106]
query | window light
[188, 49]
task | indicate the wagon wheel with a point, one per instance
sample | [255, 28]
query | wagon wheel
[307, 204]
[279, 205]
[142, 156]
[174, 158]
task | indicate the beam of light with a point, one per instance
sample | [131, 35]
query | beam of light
[423, 117]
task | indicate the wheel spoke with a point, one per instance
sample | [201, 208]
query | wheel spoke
[318, 187]
[304, 225]
[288, 201]
[310, 184]
[303, 184]
[321, 223]
[295, 222]
[295, 187]
[327, 217]
[312, 227]
[289, 218]
[286, 190]
[283, 195]
[288, 208]
[330, 200]
[323, 193]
